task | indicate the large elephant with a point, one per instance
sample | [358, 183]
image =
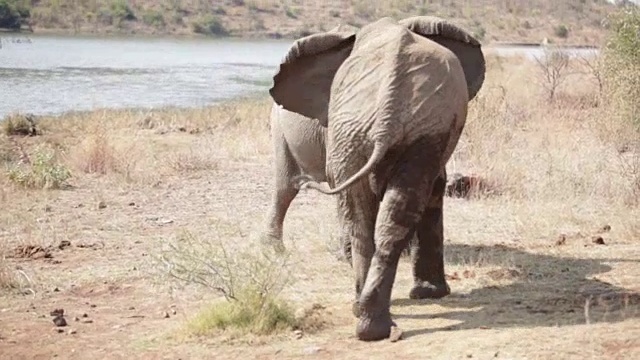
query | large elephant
[394, 102]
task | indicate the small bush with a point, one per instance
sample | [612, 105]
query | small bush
[121, 11]
[250, 279]
[44, 172]
[19, 125]
[251, 314]
[14, 14]
[209, 25]
[622, 64]
[561, 31]
[154, 18]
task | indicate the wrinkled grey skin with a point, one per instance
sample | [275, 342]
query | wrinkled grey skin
[299, 145]
[394, 101]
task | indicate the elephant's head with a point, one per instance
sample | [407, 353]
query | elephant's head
[303, 82]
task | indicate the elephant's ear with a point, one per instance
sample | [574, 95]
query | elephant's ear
[466, 47]
[303, 82]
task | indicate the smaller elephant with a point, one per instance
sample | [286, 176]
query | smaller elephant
[299, 145]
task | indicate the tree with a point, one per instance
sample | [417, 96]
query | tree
[13, 14]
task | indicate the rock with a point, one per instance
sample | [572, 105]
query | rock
[75, 318]
[165, 315]
[85, 315]
[102, 205]
[462, 186]
[606, 228]
[57, 312]
[87, 321]
[562, 239]
[72, 331]
[396, 334]
[132, 204]
[598, 240]
[311, 350]
[58, 330]
[64, 244]
[60, 321]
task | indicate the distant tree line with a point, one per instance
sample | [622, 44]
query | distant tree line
[14, 14]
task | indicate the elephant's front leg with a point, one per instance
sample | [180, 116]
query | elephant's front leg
[428, 258]
[400, 211]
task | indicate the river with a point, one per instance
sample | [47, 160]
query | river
[55, 74]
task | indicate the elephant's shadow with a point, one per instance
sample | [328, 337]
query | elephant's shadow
[546, 291]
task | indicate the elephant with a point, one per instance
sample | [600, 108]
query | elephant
[393, 97]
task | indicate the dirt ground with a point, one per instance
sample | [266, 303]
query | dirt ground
[528, 279]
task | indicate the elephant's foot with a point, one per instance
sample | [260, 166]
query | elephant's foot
[274, 241]
[375, 328]
[427, 290]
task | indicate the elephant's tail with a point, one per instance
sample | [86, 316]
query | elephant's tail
[379, 151]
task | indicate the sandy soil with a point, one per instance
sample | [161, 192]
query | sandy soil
[527, 279]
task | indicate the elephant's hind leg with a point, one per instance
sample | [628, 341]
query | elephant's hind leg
[428, 258]
[285, 169]
[400, 211]
[358, 208]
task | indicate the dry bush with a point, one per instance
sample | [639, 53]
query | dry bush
[103, 153]
[12, 279]
[250, 278]
[18, 124]
[551, 162]
[43, 170]
[191, 161]
[553, 67]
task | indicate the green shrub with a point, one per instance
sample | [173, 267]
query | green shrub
[621, 65]
[250, 278]
[154, 18]
[44, 172]
[121, 11]
[14, 14]
[209, 25]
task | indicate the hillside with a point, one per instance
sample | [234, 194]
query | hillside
[561, 21]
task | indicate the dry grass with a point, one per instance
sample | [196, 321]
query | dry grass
[521, 262]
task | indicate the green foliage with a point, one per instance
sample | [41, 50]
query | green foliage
[622, 63]
[153, 17]
[209, 25]
[250, 313]
[14, 14]
[117, 12]
[250, 278]
[44, 172]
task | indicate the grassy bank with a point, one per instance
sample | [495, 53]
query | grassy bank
[560, 21]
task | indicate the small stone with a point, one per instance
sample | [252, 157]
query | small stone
[132, 307]
[57, 312]
[297, 334]
[85, 315]
[64, 244]
[93, 305]
[102, 205]
[469, 355]
[311, 350]
[87, 321]
[598, 240]
[562, 239]
[72, 331]
[75, 318]
[47, 208]
[173, 311]
[396, 334]
[606, 228]
[60, 321]
[132, 204]
[58, 330]
[165, 314]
